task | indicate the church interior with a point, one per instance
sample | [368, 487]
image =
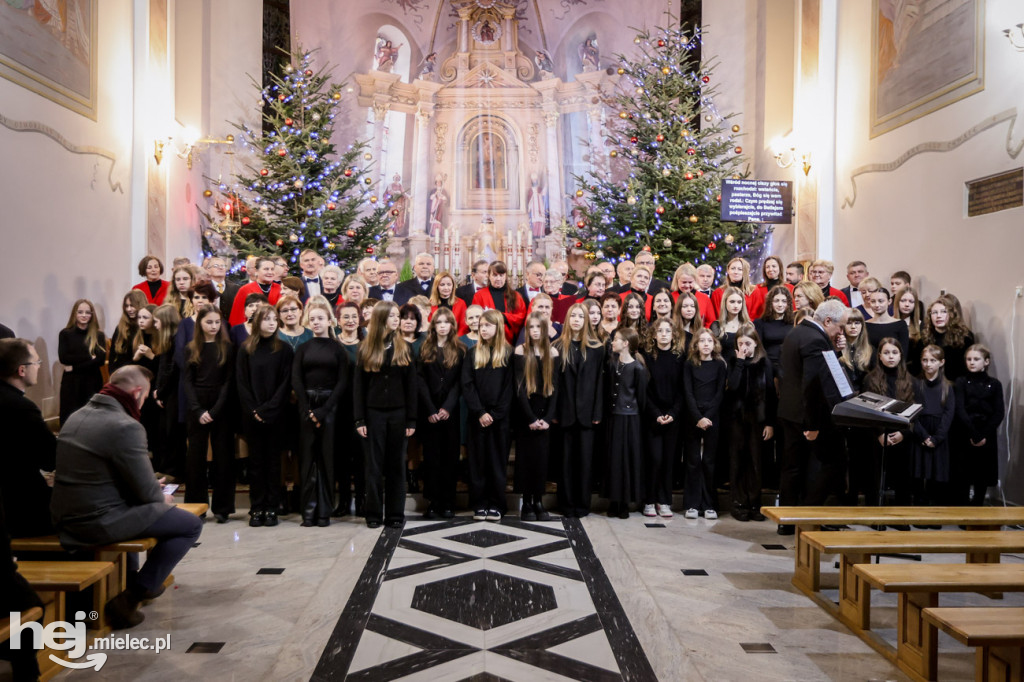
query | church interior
[479, 117]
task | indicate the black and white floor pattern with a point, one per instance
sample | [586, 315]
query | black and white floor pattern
[466, 600]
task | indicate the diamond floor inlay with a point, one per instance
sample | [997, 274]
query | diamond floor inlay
[483, 599]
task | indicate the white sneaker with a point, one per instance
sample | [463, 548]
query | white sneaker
[649, 510]
[691, 513]
[710, 514]
[493, 515]
[665, 511]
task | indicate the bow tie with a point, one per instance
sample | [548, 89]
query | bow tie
[387, 291]
[532, 290]
[424, 285]
[311, 279]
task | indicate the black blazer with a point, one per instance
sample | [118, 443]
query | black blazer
[376, 292]
[227, 299]
[466, 293]
[410, 288]
[570, 289]
[807, 391]
[582, 389]
[28, 447]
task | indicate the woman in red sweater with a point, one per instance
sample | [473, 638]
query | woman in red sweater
[499, 295]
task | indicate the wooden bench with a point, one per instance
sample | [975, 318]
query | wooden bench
[806, 572]
[34, 613]
[857, 547]
[998, 634]
[52, 580]
[918, 588]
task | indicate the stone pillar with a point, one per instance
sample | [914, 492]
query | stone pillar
[595, 117]
[421, 182]
[380, 115]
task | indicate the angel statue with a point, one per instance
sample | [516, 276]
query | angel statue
[543, 61]
[590, 55]
[386, 54]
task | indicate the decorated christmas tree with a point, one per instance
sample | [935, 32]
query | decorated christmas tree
[668, 150]
[297, 192]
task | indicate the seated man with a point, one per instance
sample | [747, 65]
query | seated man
[105, 490]
[30, 445]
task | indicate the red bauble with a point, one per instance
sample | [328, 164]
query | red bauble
[264, 172]
[706, 79]
[369, 249]
[288, 121]
[580, 224]
[688, 176]
[280, 97]
[660, 138]
[634, 139]
[739, 150]
[712, 246]
[718, 198]
[646, 248]
[700, 174]
[394, 211]
[282, 152]
[331, 206]
[661, 43]
[350, 233]
[246, 220]
[280, 242]
[348, 172]
[691, 151]
[579, 245]
[659, 210]
[307, 73]
[241, 269]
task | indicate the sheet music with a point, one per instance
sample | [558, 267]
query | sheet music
[838, 375]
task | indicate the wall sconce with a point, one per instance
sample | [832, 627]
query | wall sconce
[786, 154]
[158, 148]
[1012, 36]
[191, 149]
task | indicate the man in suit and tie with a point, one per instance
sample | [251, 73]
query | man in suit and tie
[387, 275]
[856, 272]
[646, 259]
[310, 262]
[367, 269]
[569, 288]
[422, 281]
[478, 280]
[705, 279]
[534, 281]
[811, 464]
[624, 270]
[217, 268]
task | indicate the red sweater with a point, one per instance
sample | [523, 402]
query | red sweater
[459, 310]
[754, 301]
[514, 318]
[238, 307]
[161, 293]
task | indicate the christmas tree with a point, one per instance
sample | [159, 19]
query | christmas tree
[298, 193]
[668, 150]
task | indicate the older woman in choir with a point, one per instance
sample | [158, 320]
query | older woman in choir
[154, 287]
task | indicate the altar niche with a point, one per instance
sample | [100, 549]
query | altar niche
[487, 167]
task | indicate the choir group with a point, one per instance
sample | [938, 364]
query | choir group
[627, 388]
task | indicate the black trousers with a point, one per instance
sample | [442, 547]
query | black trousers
[348, 460]
[441, 446]
[810, 470]
[700, 467]
[532, 451]
[659, 458]
[316, 462]
[218, 436]
[264, 465]
[576, 485]
[745, 462]
[385, 464]
[488, 462]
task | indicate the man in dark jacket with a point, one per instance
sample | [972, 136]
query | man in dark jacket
[807, 393]
[30, 446]
[105, 490]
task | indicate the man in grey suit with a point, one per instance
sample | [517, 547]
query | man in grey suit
[105, 490]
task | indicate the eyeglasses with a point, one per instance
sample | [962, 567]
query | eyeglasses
[36, 362]
[289, 310]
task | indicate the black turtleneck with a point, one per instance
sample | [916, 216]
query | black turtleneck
[498, 295]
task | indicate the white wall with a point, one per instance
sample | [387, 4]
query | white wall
[914, 218]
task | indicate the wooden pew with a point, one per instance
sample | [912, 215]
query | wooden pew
[858, 546]
[998, 634]
[806, 573]
[33, 613]
[918, 588]
[52, 580]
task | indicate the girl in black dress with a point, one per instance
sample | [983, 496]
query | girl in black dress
[487, 387]
[165, 388]
[663, 416]
[945, 327]
[890, 448]
[82, 349]
[440, 385]
[751, 401]
[581, 388]
[384, 405]
[931, 430]
[209, 373]
[908, 308]
[182, 282]
[979, 411]
[537, 391]
[882, 325]
[348, 463]
[731, 316]
[627, 397]
[122, 341]
[775, 324]
[142, 354]
[320, 377]
[264, 383]
[704, 377]
[688, 318]
[857, 358]
[633, 313]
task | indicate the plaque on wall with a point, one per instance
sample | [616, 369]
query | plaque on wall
[995, 193]
[757, 201]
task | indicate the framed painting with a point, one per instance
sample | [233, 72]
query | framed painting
[925, 54]
[49, 47]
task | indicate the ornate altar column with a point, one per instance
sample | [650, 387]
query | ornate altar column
[380, 115]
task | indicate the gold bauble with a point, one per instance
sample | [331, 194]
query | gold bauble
[735, 129]
[579, 192]
[368, 181]
[694, 219]
[613, 153]
[631, 200]
[621, 71]
[623, 114]
[367, 156]
[665, 70]
[729, 239]
[207, 193]
[373, 199]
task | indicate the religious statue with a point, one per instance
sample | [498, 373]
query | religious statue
[489, 170]
[590, 57]
[386, 54]
[438, 205]
[537, 207]
[486, 32]
[428, 66]
[484, 246]
[544, 65]
[395, 196]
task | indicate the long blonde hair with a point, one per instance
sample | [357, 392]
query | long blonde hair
[127, 328]
[587, 337]
[452, 350]
[723, 314]
[858, 353]
[373, 349]
[320, 303]
[435, 293]
[914, 318]
[174, 297]
[494, 352]
[92, 331]
[745, 286]
[538, 351]
[163, 339]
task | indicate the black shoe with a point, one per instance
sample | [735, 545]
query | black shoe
[624, 511]
[831, 526]
[149, 595]
[568, 513]
[740, 514]
[323, 523]
[123, 612]
[372, 524]
[256, 519]
[340, 511]
[430, 514]
[221, 518]
[395, 523]
[480, 515]
[270, 519]
[307, 523]
[877, 526]
[447, 514]
[528, 513]
[900, 526]
[542, 514]
[786, 530]
[755, 514]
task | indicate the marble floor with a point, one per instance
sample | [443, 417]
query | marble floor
[575, 599]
